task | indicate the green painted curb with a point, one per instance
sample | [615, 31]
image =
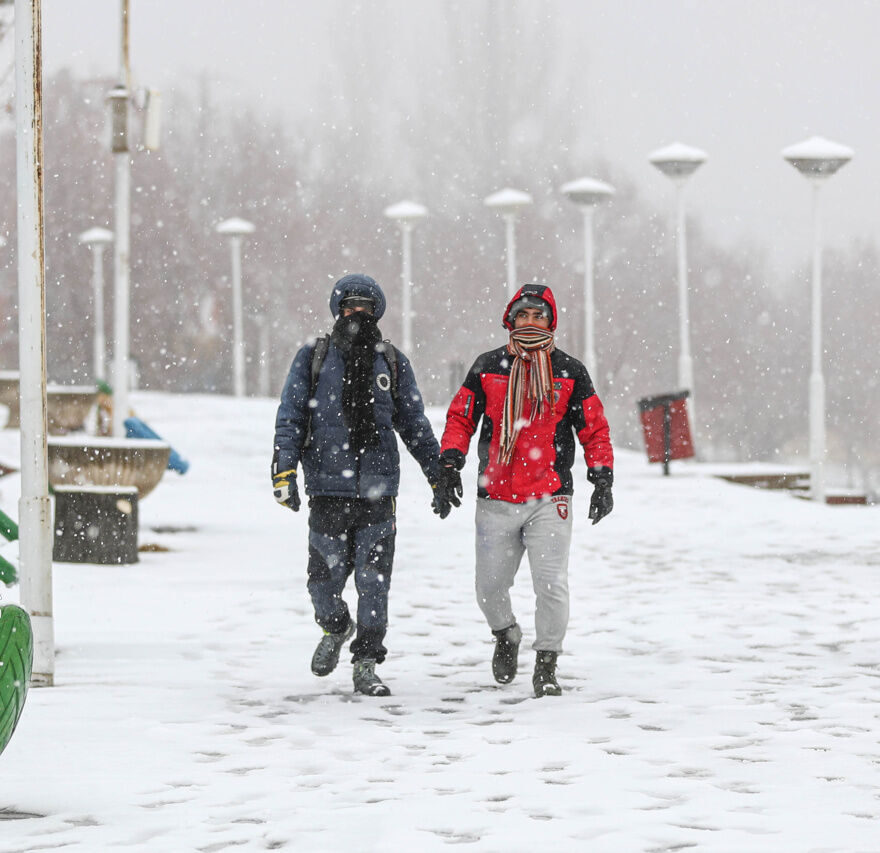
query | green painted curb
[8, 528]
[8, 572]
[16, 663]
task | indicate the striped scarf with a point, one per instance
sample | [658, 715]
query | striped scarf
[530, 344]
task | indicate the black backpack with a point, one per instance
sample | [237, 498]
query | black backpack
[319, 353]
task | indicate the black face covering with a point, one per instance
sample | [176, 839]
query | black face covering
[356, 337]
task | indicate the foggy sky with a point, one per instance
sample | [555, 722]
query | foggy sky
[740, 79]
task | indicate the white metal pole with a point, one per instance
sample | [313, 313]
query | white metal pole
[685, 362]
[510, 236]
[406, 236]
[121, 260]
[817, 380]
[98, 297]
[589, 306]
[237, 324]
[265, 346]
[34, 510]
[121, 292]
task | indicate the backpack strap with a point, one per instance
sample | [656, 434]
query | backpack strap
[319, 353]
[390, 354]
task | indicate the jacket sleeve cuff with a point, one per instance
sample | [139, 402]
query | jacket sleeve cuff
[600, 476]
[452, 458]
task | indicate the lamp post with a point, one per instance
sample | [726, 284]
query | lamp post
[265, 354]
[678, 162]
[96, 239]
[586, 193]
[236, 229]
[508, 203]
[118, 102]
[34, 508]
[817, 159]
[406, 214]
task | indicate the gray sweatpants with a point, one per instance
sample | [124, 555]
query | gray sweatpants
[505, 531]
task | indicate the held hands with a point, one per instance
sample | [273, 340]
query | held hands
[286, 492]
[447, 489]
[602, 501]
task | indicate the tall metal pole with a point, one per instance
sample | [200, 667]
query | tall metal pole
[34, 511]
[685, 362]
[589, 308]
[406, 276]
[121, 262]
[817, 380]
[99, 344]
[510, 235]
[265, 352]
[237, 323]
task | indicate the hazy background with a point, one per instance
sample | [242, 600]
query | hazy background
[308, 119]
[740, 79]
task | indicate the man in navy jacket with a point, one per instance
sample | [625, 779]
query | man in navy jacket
[338, 419]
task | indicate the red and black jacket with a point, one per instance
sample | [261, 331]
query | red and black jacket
[544, 452]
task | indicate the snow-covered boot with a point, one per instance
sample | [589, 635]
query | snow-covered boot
[366, 681]
[544, 680]
[326, 655]
[504, 659]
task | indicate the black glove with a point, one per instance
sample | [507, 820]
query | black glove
[602, 501]
[286, 492]
[447, 489]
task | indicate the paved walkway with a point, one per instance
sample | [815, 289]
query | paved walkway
[721, 675]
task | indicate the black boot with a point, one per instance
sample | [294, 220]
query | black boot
[366, 681]
[326, 655]
[506, 653]
[544, 680]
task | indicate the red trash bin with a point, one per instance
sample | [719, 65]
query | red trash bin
[666, 428]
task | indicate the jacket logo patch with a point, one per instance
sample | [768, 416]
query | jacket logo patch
[561, 502]
[383, 380]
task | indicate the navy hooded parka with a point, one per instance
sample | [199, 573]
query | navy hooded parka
[330, 467]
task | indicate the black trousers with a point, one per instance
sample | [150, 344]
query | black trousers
[352, 536]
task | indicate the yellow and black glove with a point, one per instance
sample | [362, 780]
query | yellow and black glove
[286, 491]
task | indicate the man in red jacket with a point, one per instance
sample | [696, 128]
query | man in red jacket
[533, 399]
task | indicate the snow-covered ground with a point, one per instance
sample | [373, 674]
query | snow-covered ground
[721, 677]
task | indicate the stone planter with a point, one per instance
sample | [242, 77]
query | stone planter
[88, 461]
[67, 407]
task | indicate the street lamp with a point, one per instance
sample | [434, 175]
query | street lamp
[678, 162]
[406, 214]
[265, 354]
[817, 159]
[119, 100]
[97, 239]
[508, 203]
[236, 229]
[118, 106]
[586, 193]
[34, 509]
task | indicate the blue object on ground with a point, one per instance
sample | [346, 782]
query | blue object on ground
[136, 428]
